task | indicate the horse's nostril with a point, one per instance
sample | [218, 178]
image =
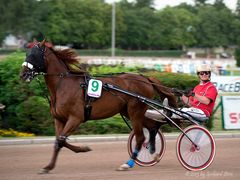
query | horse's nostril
[23, 75]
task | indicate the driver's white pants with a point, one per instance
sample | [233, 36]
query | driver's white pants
[154, 114]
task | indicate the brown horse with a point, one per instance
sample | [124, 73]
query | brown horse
[68, 101]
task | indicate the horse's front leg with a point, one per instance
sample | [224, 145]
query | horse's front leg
[57, 147]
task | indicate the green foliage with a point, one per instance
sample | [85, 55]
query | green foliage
[21, 16]
[33, 116]
[176, 27]
[113, 125]
[87, 24]
[104, 69]
[176, 80]
[212, 25]
[14, 93]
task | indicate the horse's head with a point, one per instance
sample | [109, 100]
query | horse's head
[34, 62]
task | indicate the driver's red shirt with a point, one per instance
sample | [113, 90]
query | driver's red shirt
[208, 90]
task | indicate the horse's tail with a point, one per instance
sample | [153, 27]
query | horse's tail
[163, 91]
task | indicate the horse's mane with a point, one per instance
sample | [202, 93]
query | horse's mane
[69, 57]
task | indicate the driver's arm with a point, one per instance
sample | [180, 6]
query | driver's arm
[201, 99]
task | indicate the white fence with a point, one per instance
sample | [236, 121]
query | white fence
[181, 65]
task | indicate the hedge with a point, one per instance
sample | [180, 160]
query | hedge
[28, 111]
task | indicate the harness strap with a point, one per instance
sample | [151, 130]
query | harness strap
[87, 99]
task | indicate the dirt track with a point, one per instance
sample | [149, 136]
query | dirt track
[22, 162]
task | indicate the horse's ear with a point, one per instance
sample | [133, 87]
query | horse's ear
[42, 43]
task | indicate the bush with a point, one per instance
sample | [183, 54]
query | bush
[108, 69]
[113, 125]
[14, 93]
[176, 80]
[34, 116]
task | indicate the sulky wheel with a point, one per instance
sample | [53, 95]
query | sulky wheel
[197, 156]
[144, 157]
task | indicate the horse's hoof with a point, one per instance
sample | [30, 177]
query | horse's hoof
[86, 149]
[156, 157]
[123, 167]
[43, 171]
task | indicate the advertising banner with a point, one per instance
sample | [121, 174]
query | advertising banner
[231, 112]
[226, 84]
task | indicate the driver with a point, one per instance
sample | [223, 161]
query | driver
[200, 101]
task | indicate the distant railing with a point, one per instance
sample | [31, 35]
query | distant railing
[229, 71]
[6, 51]
[135, 53]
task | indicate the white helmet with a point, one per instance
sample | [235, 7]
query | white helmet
[203, 67]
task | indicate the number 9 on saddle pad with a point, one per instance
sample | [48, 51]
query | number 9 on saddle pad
[94, 88]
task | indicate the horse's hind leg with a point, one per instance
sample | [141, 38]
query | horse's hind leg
[152, 143]
[68, 129]
[153, 127]
[76, 149]
[136, 114]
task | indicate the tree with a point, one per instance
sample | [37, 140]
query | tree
[214, 26]
[138, 23]
[219, 4]
[87, 24]
[238, 8]
[174, 28]
[144, 3]
[200, 2]
[81, 23]
[21, 17]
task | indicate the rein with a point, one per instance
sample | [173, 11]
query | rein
[111, 75]
[61, 75]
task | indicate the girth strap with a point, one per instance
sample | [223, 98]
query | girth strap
[87, 99]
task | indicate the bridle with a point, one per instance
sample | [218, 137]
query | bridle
[35, 62]
[38, 54]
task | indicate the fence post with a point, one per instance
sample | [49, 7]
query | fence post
[210, 123]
